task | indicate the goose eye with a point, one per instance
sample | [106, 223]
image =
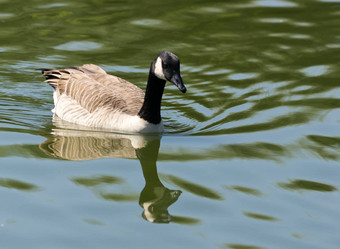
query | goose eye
[165, 65]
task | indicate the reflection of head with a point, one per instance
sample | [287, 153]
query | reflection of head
[156, 201]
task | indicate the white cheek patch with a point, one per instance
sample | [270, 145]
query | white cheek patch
[159, 69]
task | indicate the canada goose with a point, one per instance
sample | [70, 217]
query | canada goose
[88, 96]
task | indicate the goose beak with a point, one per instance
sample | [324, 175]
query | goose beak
[176, 79]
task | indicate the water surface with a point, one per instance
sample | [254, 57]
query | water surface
[250, 156]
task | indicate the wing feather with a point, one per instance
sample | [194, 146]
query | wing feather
[92, 88]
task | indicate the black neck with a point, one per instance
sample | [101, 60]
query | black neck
[151, 109]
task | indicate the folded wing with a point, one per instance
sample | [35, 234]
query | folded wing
[92, 88]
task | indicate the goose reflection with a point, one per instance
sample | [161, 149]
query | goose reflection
[69, 142]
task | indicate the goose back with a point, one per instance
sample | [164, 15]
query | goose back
[92, 88]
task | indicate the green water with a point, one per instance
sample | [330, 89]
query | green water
[250, 156]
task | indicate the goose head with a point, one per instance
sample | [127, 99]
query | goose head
[166, 67]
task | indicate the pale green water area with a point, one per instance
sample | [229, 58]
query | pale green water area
[251, 154]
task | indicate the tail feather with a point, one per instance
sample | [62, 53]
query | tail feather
[57, 78]
[52, 76]
[44, 69]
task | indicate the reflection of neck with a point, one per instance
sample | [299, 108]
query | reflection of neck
[151, 109]
[150, 175]
[148, 158]
[154, 198]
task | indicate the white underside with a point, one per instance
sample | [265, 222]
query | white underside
[69, 110]
[68, 129]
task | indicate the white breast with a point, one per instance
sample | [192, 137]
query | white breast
[68, 109]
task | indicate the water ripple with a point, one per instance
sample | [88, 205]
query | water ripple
[147, 22]
[18, 185]
[304, 185]
[78, 46]
[315, 71]
[6, 15]
[242, 76]
[275, 3]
